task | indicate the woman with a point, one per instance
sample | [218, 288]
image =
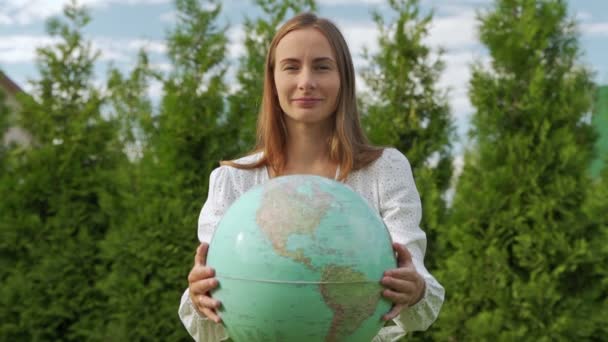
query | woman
[309, 124]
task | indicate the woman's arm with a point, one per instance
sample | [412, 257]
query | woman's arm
[200, 327]
[401, 211]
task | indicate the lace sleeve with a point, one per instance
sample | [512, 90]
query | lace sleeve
[201, 328]
[401, 211]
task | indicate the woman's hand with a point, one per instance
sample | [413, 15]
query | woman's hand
[405, 287]
[201, 280]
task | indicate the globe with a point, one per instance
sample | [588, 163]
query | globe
[300, 258]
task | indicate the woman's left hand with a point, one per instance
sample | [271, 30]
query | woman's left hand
[404, 286]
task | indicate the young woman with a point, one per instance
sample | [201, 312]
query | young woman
[309, 124]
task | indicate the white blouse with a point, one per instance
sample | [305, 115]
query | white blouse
[388, 186]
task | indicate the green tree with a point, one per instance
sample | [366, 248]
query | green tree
[404, 108]
[4, 122]
[151, 250]
[6, 258]
[600, 122]
[128, 103]
[56, 195]
[528, 262]
[245, 102]
[594, 210]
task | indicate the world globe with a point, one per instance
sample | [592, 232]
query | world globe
[300, 258]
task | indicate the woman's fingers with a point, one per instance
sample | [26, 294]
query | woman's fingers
[200, 272]
[201, 281]
[405, 273]
[205, 304]
[404, 257]
[209, 303]
[396, 297]
[200, 258]
[399, 285]
[407, 281]
[394, 312]
[211, 315]
[202, 287]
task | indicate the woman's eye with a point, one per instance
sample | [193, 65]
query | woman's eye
[323, 67]
[290, 67]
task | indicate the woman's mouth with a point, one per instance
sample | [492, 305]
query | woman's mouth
[306, 102]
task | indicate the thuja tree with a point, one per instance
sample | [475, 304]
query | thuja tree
[4, 122]
[7, 259]
[246, 99]
[406, 109]
[127, 102]
[528, 261]
[151, 250]
[596, 299]
[57, 195]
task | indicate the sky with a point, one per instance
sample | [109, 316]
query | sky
[119, 28]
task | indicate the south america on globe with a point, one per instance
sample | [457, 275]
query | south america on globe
[300, 258]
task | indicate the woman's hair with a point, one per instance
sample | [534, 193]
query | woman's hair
[348, 145]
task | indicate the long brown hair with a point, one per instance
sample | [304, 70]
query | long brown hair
[348, 145]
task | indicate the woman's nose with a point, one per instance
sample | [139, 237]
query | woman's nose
[306, 80]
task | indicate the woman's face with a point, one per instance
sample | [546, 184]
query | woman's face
[306, 77]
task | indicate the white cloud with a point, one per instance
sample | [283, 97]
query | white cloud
[22, 48]
[5, 19]
[124, 50]
[236, 42]
[349, 2]
[132, 2]
[169, 17]
[456, 78]
[151, 46]
[583, 16]
[24, 12]
[155, 90]
[457, 165]
[598, 28]
[454, 31]
[357, 36]
[164, 67]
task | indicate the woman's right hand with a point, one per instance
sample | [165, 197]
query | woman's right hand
[201, 280]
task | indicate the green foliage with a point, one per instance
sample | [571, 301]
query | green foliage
[529, 246]
[98, 215]
[150, 248]
[4, 123]
[246, 100]
[405, 109]
[600, 123]
[6, 259]
[128, 103]
[56, 196]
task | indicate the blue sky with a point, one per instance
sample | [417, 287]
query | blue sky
[120, 27]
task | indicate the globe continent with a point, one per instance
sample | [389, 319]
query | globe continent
[299, 258]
